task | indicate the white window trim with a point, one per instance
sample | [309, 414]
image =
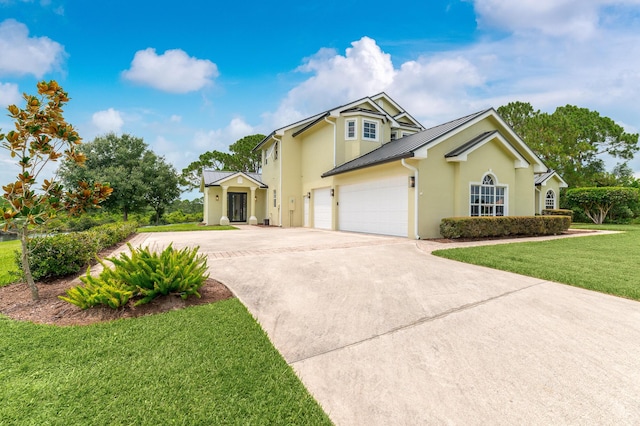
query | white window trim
[355, 129]
[377, 130]
[496, 184]
[546, 194]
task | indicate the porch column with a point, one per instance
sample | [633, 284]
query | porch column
[224, 220]
[253, 220]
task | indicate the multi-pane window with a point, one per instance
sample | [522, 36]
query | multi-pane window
[275, 151]
[550, 200]
[487, 199]
[350, 132]
[275, 199]
[369, 130]
[394, 136]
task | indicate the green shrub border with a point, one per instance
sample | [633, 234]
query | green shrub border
[60, 255]
[557, 212]
[503, 226]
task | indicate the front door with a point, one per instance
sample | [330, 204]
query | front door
[237, 207]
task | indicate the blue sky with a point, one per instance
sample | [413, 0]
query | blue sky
[194, 76]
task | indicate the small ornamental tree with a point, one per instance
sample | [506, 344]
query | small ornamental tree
[597, 202]
[42, 135]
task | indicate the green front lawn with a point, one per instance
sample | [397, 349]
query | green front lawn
[209, 364]
[185, 227]
[7, 262]
[605, 263]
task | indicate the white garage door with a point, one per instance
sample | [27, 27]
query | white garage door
[376, 207]
[322, 208]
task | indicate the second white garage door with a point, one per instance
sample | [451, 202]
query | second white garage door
[322, 208]
[376, 207]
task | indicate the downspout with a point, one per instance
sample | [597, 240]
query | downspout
[279, 142]
[415, 194]
[335, 136]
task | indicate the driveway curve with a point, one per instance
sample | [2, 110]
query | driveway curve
[381, 332]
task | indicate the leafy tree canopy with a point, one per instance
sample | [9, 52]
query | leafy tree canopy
[139, 177]
[571, 140]
[598, 202]
[240, 158]
[41, 135]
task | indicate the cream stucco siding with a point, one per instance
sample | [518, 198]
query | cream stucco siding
[446, 167]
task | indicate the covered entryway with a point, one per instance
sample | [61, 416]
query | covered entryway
[322, 208]
[375, 207]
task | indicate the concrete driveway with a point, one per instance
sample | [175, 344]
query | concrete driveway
[381, 332]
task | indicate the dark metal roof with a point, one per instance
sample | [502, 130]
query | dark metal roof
[468, 145]
[403, 147]
[214, 177]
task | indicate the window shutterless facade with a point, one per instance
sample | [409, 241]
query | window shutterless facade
[369, 130]
[550, 200]
[350, 129]
[487, 198]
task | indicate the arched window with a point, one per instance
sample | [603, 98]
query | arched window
[488, 198]
[550, 200]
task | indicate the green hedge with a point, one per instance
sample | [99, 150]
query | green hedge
[64, 254]
[503, 226]
[557, 212]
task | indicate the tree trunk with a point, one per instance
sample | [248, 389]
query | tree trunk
[26, 268]
[125, 214]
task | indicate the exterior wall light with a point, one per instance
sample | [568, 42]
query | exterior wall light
[331, 192]
[217, 197]
[308, 195]
[412, 181]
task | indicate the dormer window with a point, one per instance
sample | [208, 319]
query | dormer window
[369, 130]
[394, 136]
[350, 129]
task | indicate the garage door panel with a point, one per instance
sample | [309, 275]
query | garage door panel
[322, 208]
[378, 207]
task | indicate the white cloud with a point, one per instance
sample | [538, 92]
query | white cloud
[430, 86]
[578, 19]
[363, 70]
[220, 139]
[175, 118]
[9, 94]
[174, 71]
[109, 120]
[22, 54]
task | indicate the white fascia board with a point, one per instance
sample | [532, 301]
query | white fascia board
[235, 175]
[519, 161]
[539, 166]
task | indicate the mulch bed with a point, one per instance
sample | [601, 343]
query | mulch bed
[16, 303]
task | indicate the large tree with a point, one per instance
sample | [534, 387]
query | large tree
[240, 158]
[571, 140]
[164, 185]
[135, 173]
[41, 136]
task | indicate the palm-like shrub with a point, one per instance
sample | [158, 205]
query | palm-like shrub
[142, 276]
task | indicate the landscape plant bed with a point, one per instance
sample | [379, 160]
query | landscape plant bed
[17, 304]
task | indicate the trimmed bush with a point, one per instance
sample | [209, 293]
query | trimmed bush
[503, 226]
[144, 275]
[65, 254]
[557, 212]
